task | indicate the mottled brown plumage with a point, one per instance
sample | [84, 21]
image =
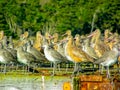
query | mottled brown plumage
[108, 58]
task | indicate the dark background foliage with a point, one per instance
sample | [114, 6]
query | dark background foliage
[80, 16]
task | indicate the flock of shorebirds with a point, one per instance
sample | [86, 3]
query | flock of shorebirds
[99, 49]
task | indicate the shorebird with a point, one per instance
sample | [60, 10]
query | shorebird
[13, 51]
[109, 58]
[38, 55]
[24, 35]
[55, 36]
[1, 35]
[8, 45]
[55, 40]
[52, 55]
[25, 57]
[38, 41]
[77, 41]
[107, 34]
[6, 57]
[97, 43]
[61, 50]
[23, 39]
[88, 49]
[48, 37]
[110, 39]
[68, 33]
[76, 55]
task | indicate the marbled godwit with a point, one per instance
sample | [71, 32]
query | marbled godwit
[9, 47]
[114, 39]
[25, 35]
[97, 43]
[38, 55]
[1, 35]
[55, 40]
[109, 58]
[23, 39]
[75, 54]
[11, 43]
[107, 34]
[5, 57]
[77, 41]
[48, 37]
[68, 33]
[110, 39]
[61, 50]
[89, 50]
[38, 41]
[52, 55]
[25, 57]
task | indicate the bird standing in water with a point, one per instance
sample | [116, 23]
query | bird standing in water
[109, 58]
[25, 58]
[6, 57]
[52, 55]
[76, 55]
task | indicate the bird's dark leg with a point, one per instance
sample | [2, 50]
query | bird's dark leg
[16, 67]
[93, 67]
[24, 68]
[67, 65]
[28, 67]
[51, 64]
[5, 68]
[118, 67]
[12, 66]
[1, 69]
[59, 67]
[101, 69]
[74, 71]
[54, 67]
[34, 67]
[108, 72]
[77, 68]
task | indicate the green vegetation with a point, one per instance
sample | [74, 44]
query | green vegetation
[80, 16]
[76, 83]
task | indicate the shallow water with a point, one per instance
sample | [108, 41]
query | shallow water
[32, 82]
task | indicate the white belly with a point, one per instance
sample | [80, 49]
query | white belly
[69, 58]
[108, 63]
[2, 60]
[49, 57]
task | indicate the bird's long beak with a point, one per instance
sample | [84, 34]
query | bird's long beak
[63, 41]
[92, 34]
[74, 38]
[51, 37]
[64, 34]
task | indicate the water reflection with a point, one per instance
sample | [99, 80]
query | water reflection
[33, 83]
